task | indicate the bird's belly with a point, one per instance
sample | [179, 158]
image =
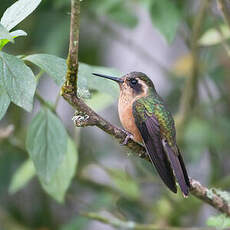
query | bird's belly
[128, 122]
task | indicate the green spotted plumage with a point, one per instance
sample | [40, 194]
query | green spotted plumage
[153, 104]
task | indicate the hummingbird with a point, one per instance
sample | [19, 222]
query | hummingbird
[147, 120]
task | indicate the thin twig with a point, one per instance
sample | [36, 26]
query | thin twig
[120, 224]
[44, 102]
[57, 101]
[41, 99]
[38, 76]
[85, 116]
[190, 92]
[224, 6]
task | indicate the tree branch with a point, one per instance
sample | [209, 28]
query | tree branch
[224, 6]
[120, 224]
[211, 196]
[70, 84]
[85, 116]
[44, 102]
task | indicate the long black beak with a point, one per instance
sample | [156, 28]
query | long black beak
[119, 80]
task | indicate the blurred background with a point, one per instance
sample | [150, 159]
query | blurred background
[131, 35]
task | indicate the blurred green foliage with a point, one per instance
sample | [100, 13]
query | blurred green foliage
[220, 221]
[74, 171]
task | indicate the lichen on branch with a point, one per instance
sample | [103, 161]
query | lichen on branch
[70, 84]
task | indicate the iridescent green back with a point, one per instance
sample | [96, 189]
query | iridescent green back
[154, 105]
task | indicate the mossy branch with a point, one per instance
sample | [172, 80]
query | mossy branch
[70, 84]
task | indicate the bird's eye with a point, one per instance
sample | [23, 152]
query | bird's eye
[133, 81]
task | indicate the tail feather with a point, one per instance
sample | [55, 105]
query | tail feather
[179, 169]
[158, 157]
[184, 169]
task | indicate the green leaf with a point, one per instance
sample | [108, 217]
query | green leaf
[78, 222]
[18, 80]
[166, 16]
[202, 133]
[3, 42]
[97, 83]
[215, 36]
[131, 209]
[14, 34]
[5, 34]
[121, 14]
[4, 102]
[100, 101]
[55, 66]
[117, 10]
[18, 33]
[46, 143]
[18, 12]
[61, 180]
[220, 221]
[124, 182]
[22, 176]
[10, 158]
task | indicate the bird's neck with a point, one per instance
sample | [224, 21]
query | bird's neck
[128, 96]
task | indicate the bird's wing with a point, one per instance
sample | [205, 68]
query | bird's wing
[178, 166]
[150, 132]
[165, 157]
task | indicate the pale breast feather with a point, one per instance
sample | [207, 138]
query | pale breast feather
[125, 111]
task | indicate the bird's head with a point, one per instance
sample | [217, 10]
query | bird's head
[134, 84]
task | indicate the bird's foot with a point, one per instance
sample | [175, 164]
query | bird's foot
[128, 136]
